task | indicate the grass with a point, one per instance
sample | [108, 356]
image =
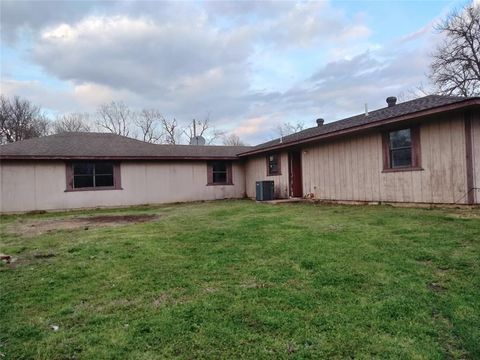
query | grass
[236, 279]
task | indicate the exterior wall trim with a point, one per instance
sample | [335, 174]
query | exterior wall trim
[403, 169]
[143, 158]
[469, 158]
[210, 175]
[416, 151]
[267, 163]
[117, 179]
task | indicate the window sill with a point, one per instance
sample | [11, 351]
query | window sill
[220, 184]
[93, 189]
[278, 174]
[402, 169]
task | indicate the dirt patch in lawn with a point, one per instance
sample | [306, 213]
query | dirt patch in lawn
[39, 227]
[436, 287]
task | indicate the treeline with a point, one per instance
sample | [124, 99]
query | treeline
[20, 119]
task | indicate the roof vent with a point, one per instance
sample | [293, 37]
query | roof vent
[391, 101]
[320, 122]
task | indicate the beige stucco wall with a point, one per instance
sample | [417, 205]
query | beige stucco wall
[40, 185]
[256, 170]
[351, 169]
[476, 154]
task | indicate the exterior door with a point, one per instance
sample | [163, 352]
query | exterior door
[295, 173]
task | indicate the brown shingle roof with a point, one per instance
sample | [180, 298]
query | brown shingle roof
[400, 110]
[78, 145]
[105, 145]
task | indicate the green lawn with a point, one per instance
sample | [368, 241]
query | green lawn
[236, 279]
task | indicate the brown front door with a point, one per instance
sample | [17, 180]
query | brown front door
[295, 173]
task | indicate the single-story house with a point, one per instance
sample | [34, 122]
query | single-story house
[421, 151]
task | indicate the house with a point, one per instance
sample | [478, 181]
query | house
[421, 151]
[77, 170]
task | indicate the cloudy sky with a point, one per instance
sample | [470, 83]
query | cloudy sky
[249, 65]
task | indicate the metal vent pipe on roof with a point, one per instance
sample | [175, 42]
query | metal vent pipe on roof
[320, 122]
[391, 101]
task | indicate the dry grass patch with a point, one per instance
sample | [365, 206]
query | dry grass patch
[32, 228]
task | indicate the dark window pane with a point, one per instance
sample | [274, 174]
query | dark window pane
[219, 177]
[82, 181]
[401, 157]
[219, 173]
[103, 180]
[103, 168]
[83, 169]
[273, 167]
[219, 166]
[93, 174]
[400, 138]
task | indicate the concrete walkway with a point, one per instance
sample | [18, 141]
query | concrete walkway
[283, 201]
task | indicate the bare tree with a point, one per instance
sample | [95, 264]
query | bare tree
[202, 128]
[233, 140]
[148, 121]
[116, 117]
[213, 135]
[287, 128]
[416, 92]
[455, 69]
[20, 120]
[171, 131]
[71, 123]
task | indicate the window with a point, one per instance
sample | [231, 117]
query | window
[402, 149]
[93, 176]
[219, 173]
[273, 165]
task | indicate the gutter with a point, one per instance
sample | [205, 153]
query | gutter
[125, 158]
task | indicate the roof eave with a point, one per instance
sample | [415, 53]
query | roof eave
[428, 112]
[116, 158]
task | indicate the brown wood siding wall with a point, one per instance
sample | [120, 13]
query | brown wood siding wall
[475, 123]
[256, 170]
[41, 185]
[351, 168]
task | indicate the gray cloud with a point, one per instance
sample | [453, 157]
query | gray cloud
[34, 15]
[138, 54]
[17, 16]
[341, 88]
[190, 59]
